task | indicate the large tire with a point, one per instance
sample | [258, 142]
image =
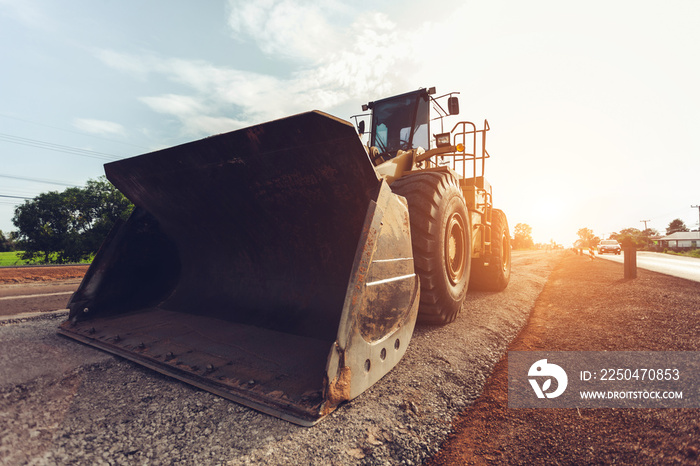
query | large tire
[492, 273]
[441, 236]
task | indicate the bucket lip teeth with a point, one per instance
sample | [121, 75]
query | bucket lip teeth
[304, 410]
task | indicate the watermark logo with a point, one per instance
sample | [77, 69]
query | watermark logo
[542, 370]
[603, 379]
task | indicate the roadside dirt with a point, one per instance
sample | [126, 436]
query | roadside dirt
[586, 305]
[9, 275]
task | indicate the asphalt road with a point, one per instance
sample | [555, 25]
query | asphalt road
[64, 402]
[31, 298]
[676, 266]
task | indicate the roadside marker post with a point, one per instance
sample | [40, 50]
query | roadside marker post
[630, 261]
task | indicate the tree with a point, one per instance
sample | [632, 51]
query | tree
[6, 243]
[675, 226]
[104, 204]
[633, 236]
[522, 236]
[69, 226]
[587, 238]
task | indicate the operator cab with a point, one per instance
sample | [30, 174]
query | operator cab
[402, 122]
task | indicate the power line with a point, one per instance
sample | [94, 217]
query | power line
[58, 147]
[71, 131]
[39, 180]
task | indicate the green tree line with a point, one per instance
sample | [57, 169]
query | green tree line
[69, 226]
[640, 239]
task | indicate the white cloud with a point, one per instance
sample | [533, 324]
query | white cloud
[291, 28]
[26, 12]
[99, 126]
[178, 105]
[377, 56]
[203, 124]
[137, 66]
[338, 55]
[193, 113]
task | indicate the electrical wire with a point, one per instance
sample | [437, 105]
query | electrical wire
[39, 180]
[58, 147]
[70, 131]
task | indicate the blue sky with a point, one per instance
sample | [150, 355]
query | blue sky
[594, 107]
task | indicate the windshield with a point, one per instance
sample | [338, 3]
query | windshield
[400, 123]
[609, 242]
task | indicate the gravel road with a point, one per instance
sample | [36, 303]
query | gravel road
[62, 402]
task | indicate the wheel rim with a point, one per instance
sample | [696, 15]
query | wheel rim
[505, 250]
[455, 248]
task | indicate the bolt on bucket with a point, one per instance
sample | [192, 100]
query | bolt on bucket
[269, 265]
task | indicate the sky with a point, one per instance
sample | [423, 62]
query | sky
[594, 107]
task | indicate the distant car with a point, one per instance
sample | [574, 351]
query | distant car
[609, 245]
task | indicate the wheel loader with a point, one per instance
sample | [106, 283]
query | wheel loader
[284, 266]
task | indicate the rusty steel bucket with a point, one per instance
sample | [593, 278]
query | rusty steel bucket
[269, 265]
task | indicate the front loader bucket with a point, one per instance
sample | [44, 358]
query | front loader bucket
[268, 265]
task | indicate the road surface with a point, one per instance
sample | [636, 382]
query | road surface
[64, 402]
[676, 266]
[27, 298]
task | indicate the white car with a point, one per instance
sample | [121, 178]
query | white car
[609, 245]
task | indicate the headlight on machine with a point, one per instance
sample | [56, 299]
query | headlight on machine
[442, 139]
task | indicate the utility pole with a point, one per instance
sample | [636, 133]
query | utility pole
[645, 223]
[697, 207]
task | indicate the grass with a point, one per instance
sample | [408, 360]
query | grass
[691, 253]
[11, 258]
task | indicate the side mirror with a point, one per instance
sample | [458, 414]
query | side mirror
[453, 105]
[361, 127]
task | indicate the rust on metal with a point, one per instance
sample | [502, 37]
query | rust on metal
[338, 390]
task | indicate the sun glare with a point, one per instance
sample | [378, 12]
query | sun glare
[547, 221]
